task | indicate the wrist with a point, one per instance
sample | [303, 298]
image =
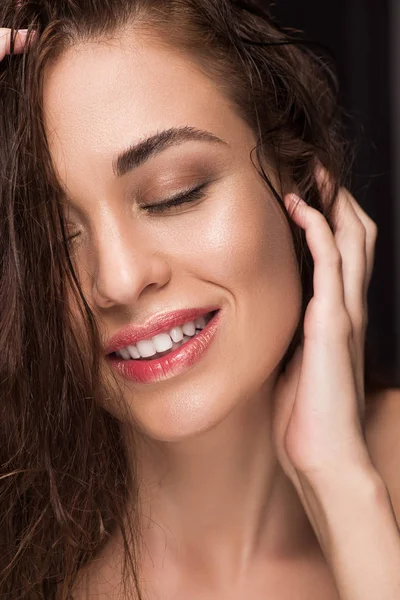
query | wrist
[360, 538]
[352, 474]
[349, 487]
[344, 501]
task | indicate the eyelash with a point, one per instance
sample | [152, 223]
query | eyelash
[190, 196]
[69, 239]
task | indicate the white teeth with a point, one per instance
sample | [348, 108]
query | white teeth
[176, 334]
[162, 342]
[200, 323]
[134, 352]
[125, 353]
[146, 348]
[189, 328]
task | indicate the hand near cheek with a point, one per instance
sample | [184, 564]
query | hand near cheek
[319, 406]
[320, 397]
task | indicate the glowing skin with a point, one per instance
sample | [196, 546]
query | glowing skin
[233, 248]
[222, 495]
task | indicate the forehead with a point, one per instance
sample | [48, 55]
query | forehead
[99, 98]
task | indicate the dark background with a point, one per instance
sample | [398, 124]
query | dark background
[361, 34]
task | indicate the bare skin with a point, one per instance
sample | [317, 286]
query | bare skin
[209, 443]
[304, 575]
[221, 519]
[5, 40]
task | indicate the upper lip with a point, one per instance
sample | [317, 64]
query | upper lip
[129, 335]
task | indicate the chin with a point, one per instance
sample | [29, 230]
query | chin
[181, 417]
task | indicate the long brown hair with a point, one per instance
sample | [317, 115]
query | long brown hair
[65, 479]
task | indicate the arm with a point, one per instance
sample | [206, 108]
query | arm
[319, 409]
[359, 535]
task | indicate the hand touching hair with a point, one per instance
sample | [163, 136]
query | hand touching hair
[15, 44]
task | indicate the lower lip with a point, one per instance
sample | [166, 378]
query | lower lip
[172, 364]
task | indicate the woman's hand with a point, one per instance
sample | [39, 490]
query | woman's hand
[319, 406]
[320, 400]
[5, 41]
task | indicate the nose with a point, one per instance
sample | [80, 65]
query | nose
[128, 263]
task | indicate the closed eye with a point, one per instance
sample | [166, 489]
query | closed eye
[69, 239]
[190, 196]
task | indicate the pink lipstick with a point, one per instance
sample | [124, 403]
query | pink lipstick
[174, 362]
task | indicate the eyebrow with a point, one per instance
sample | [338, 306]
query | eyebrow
[142, 151]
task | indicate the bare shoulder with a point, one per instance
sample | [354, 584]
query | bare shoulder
[383, 440]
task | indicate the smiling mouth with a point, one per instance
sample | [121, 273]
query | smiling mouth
[207, 318]
[175, 361]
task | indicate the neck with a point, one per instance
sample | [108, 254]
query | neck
[221, 495]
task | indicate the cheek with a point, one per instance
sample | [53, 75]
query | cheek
[247, 260]
[248, 251]
[246, 248]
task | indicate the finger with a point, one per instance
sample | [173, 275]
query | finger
[328, 281]
[350, 237]
[5, 41]
[371, 231]
[325, 183]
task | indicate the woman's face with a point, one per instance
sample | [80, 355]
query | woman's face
[230, 248]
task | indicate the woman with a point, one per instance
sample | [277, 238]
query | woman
[183, 380]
